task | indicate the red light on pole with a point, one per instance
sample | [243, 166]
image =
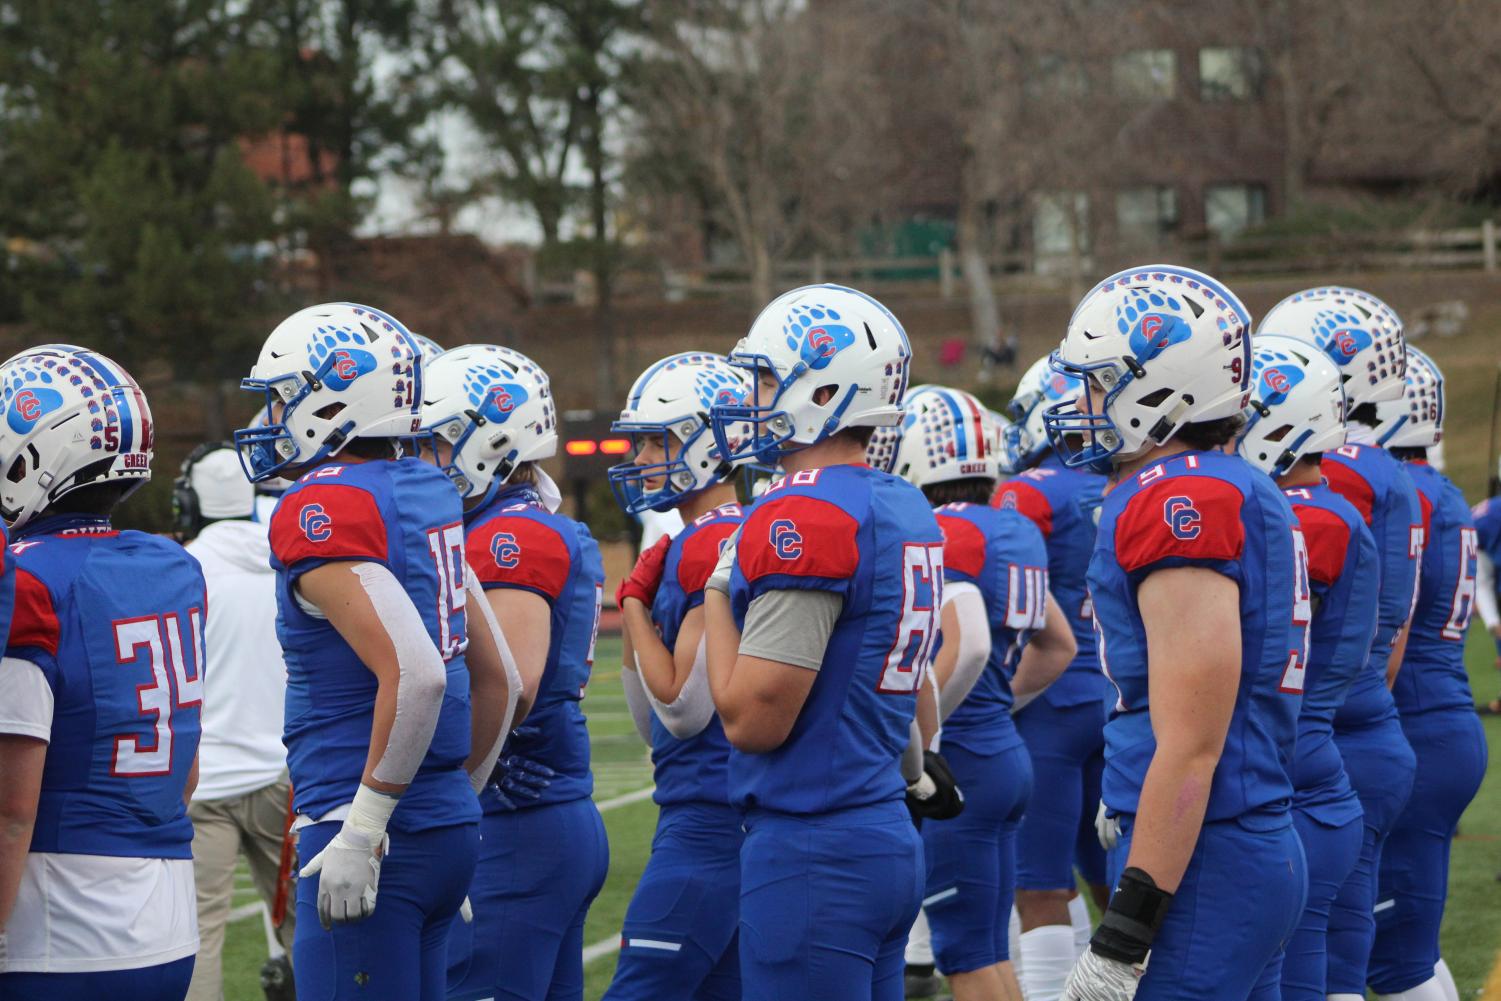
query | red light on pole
[615, 446]
[581, 446]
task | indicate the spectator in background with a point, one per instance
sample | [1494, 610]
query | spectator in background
[240, 806]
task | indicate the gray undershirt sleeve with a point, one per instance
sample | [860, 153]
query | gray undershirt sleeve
[791, 627]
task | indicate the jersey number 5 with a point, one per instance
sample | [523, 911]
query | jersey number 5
[158, 640]
[922, 596]
[1297, 660]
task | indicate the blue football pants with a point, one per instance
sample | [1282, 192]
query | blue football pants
[1332, 851]
[826, 902]
[167, 982]
[399, 952]
[1061, 742]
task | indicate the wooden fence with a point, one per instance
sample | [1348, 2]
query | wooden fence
[1472, 248]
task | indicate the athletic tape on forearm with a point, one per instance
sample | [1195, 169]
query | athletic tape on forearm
[974, 645]
[912, 754]
[477, 599]
[1485, 591]
[688, 714]
[636, 701]
[421, 678]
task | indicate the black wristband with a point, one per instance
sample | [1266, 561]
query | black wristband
[1137, 909]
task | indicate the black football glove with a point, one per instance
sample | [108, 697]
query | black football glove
[935, 796]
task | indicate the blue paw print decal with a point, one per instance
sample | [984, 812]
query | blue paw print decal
[29, 396]
[493, 395]
[1153, 320]
[816, 334]
[1276, 381]
[718, 387]
[1340, 335]
[339, 352]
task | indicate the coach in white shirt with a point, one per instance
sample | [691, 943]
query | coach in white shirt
[240, 806]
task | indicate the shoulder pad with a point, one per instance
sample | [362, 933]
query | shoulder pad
[519, 551]
[700, 552]
[963, 545]
[1353, 487]
[328, 520]
[34, 620]
[1183, 517]
[1327, 537]
[800, 535]
[1028, 500]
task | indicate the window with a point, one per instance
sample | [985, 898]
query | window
[1056, 75]
[1144, 215]
[1146, 74]
[1061, 218]
[1229, 74]
[1231, 208]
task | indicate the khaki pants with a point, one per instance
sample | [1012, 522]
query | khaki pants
[223, 829]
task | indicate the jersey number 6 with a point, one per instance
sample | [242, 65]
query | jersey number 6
[922, 596]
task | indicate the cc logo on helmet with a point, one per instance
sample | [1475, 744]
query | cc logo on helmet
[501, 399]
[29, 405]
[786, 540]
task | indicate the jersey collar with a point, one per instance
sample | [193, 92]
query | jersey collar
[66, 524]
[513, 493]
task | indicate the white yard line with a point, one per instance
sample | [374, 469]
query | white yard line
[616, 802]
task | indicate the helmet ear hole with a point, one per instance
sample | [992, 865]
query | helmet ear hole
[17, 471]
[1154, 399]
[823, 394]
[329, 412]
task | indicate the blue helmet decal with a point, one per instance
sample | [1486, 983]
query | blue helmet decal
[1155, 333]
[719, 386]
[1057, 386]
[501, 400]
[1340, 335]
[29, 405]
[341, 351]
[815, 333]
[1275, 382]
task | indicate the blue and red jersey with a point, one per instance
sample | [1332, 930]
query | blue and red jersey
[695, 769]
[1433, 675]
[1210, 510]
[403, 515]
[1002, 553]
[1376, 484]
[870, 538]
[1064, 504]
[115, 622]
[1344, 576]
[515, 542]
[1487, 517]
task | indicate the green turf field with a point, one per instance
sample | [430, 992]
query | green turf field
[1472, 931]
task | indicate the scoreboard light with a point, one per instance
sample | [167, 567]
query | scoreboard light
[604, 446]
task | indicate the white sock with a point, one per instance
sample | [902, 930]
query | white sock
[1047, 956]
[1014, 944]
[1428, 990]
[920, 942]
[1346, 997]
[1078, 915]
[1446, 980]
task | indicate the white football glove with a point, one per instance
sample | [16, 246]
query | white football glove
[1107, 829]
[466, 911]
[348, 867]
[1095, 978]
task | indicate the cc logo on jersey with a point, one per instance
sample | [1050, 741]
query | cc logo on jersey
[1008, 501]
[1182, 517]
[504, 550]
[315, 523]
[786, 540]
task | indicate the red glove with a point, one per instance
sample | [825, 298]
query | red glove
[646, 577]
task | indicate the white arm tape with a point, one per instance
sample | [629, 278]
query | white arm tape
[421, 679]
[687, 715]
[637, 702]
[912, 756]
[477, 599]
[1485, 591]
[974, 645]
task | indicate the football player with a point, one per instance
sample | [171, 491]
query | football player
[544, 854]
[1064, 730]
[1199, 581]
[679, 935]
[1297, 414]
[1004, 640]
[100, 692]
[821, 619]
[385, 682]
[1437, 708]
[1364, 338]
[1487, 515]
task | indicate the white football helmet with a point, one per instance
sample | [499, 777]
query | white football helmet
[431, 349]
[1297, 404]
[1417, 419]
[340, 371]
[1024, 441]
[494, 406]
[1360, 332]
[947, 435]
[812, 338]
[1166, 345]
[73, 418]
[673, 399]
